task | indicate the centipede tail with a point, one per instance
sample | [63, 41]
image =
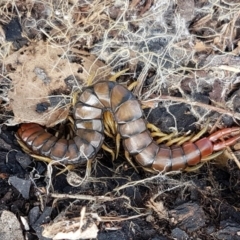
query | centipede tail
[137, 140]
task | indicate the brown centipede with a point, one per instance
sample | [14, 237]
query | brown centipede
[127, 113]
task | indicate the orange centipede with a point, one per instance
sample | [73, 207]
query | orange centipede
[127, 113]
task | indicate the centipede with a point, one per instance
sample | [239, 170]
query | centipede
[88, 137]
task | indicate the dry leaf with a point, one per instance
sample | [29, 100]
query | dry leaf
[40, 69]
[70, 229]
[200, 46]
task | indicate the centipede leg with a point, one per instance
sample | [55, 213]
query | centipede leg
[107, 149]
[194, 168]
[198, 135]
[110, 129]
[41, 158]
[185, 139]
[132, 85]
[212, 156]
[118, 140]
[128, 157]
[179, 140]
[203, 160]
[75, 97]
[24, 147]
[118, 74]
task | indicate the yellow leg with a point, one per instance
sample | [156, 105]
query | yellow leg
[179, 140]
[23, 146]
[197, 136]
[214, 155]
[185, 139]
[132, 85]
[70, 119]
[193, 168]
[41, 158]
[153, 128]
[90, 79]
[109, 123]
[118, 141]
[110, 129]
[166, 138]
[118, 74]
[176, 140]
[108, 133]
[107, 149]
[75, 97]
[88, 169]
[127, 156]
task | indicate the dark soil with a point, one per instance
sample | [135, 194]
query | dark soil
[201, 204]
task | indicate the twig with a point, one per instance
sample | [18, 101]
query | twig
[153, 104]
[233, 157]
[86, 197]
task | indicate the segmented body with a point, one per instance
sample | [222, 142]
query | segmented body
[127, 112]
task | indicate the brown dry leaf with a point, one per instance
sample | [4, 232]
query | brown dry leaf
[40, 69]
[200, 46]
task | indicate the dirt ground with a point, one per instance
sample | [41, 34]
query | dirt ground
[182, 56]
